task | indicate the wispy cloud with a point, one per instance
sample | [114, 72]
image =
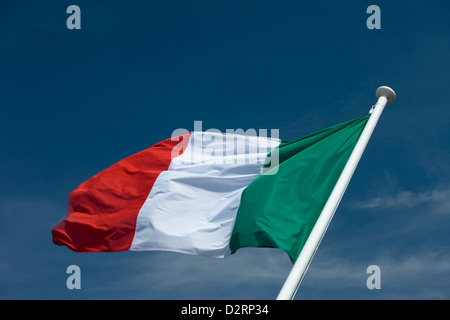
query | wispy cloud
[418, 275]
[440, 197]
[249, 274]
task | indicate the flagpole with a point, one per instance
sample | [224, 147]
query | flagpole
[385, 95]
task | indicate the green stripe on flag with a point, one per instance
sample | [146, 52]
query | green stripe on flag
[280, 210]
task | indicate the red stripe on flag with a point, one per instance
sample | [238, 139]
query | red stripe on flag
[102, 211]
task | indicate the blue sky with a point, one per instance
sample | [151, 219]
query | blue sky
[73, 102]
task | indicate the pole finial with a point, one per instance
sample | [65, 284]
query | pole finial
[387, 92]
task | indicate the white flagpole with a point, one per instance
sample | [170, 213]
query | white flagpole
[289, 289]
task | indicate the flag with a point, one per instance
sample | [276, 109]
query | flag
[210, 193]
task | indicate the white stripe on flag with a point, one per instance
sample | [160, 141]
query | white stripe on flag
[192, 206]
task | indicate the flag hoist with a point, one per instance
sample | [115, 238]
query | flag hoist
[385, 95]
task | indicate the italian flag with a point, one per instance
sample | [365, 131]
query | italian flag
[210, 193]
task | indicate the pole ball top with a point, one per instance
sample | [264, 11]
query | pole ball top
[387, 92]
